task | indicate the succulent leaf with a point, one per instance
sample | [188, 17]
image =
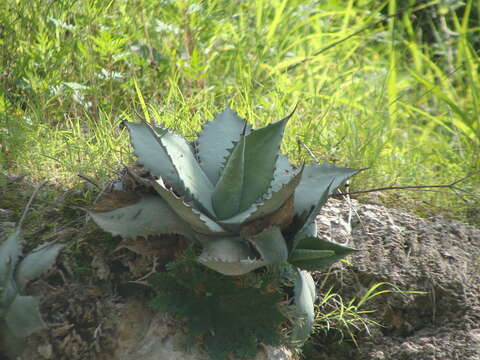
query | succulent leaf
[149, 215]
[316, 180]
[310, 229]
[230, 256]
[308, 217]
[23, 316]
[20, 315]
[318, 245]
[305, 296]
[35, 263]
[197, 220]
[228, 192]
[151, 154]
[298, 255]
[10, 251]
[284, 171]
[271, 245]
[13, 345]
[194, 180]
[273, 201]
[259, 170]
[216, 138]
[7, 295]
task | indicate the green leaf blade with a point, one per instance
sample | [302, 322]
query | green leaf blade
[314, 244]
[229, 256]
[151, 154]
[318, 182]
[23, 316]
[35, 263]
[10, 251]
[228, 192]
[194, 180]
[14, 345]
[274, 200]
[299, 255]
[284, 171]
[198, 221]
[305, 296]
[315, 181]
[216, 138]
[271, 245]
[7, 294]
[308, 217]
[148, 216]
[259, 170]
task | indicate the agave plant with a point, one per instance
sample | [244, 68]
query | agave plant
[19, 314]
[233, 192]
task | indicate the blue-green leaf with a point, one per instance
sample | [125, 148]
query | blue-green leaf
[216, 139]
[307, 218]
[230, 256]
[8, 293]
[23, 316]
[316, 180]
[284, 171]
[261, 153]
[319, 246]
[13, 345]
[228, 192]
[299, 255]
[305, 296]
[151, 154]
[10, 251]
[310, 229]
[149, 215]
[199, 222]
[195, 182]
[272, 202]
[35, 263]
[271, 245]
[233, 256]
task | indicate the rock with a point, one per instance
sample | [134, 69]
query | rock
[147, 336]
[45, 351]
[125, 331]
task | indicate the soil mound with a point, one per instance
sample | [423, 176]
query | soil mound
[438, 256]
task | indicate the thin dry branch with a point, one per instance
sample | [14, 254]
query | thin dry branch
[87, 179]
[456, 190]
[450, 186]
[30, 201]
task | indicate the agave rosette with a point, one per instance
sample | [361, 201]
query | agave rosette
[233, 191]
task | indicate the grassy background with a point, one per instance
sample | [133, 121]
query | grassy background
[401, 97]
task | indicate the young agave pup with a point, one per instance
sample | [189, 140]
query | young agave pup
[20, 314]
[233, 192]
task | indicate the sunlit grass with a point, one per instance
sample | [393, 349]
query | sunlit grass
[385, 99]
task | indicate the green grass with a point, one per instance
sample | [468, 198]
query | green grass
[402, 97]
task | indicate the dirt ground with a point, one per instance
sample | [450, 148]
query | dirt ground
[437, 256]
[92, 306]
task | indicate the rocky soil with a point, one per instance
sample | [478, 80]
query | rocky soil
[436, 256]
